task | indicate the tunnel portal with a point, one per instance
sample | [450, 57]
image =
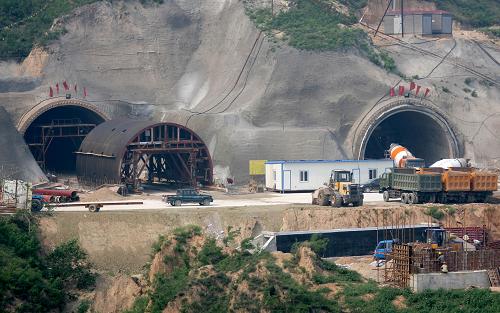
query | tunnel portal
[423, 134]
[129, 152]
[57, 133]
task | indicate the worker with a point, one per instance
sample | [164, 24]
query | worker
[440, 259]
[444, 268]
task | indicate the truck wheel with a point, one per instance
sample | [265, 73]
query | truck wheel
[367, 190]
[404, 198]
[93, 208]
[206, 202]
[36, 205]
[177, 203]
[358, 203]
[411, 198]
[386, 196]
[336, 200]
[172, 203]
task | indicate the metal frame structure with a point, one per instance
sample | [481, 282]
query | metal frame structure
[129, 152]
[169, 153]
[60, 128]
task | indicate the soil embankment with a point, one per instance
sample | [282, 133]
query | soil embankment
[121, 241]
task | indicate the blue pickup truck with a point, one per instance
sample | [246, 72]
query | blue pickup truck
[188, 195]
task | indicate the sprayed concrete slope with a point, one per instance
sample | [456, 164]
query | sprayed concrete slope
[16, 161]
[172, 61]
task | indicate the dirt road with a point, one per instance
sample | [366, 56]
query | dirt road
[153, 202]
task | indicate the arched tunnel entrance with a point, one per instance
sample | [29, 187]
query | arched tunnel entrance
[129, 152]
[55, 134]
[426, 135]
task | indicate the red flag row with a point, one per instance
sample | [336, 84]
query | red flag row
[413, 86]
[66, 88]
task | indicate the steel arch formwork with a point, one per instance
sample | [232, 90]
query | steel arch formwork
[128, 152]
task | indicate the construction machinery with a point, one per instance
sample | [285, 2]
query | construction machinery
[340, 191]
[442, 182]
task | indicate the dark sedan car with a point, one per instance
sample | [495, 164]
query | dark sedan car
[371, 186]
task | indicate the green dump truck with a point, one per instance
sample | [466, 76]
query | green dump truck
[411, 187]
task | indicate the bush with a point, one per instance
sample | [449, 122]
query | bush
[68, 263]
[140, 305]
[30, 282]
[210, 253]
[83, 307]
[445, 89]
[474, 94]
[434, 212]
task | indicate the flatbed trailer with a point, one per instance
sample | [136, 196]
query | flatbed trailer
[97, 205]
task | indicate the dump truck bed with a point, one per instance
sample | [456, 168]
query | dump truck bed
[416, 182]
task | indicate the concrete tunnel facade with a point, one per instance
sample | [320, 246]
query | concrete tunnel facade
[414, 123]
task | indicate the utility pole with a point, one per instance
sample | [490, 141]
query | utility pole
[402, 20]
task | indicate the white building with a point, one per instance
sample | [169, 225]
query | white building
[305, 175]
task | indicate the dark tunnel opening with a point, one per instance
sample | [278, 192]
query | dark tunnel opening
[420, 133]
[56, 134]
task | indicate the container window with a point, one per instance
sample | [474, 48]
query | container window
[372, 173]
[304, 176]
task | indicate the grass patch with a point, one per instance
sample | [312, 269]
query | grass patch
[476, 13]
[139, 306]
[314, 25]
[434, 212]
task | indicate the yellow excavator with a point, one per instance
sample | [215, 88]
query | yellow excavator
[340, 191]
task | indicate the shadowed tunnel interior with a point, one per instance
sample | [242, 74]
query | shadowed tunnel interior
[56, 134]
[422, 135]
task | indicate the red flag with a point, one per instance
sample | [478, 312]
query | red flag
[75, 89]
[51, 92]
[416, 91]
[401, 90]
[65, 84]
[392, 93]
[84, 92]
[412, 86]
[427, 90]
[57, 88]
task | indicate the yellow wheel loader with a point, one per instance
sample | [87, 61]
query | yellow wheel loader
[340, 191]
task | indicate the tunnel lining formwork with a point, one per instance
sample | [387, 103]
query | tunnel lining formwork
[418, 107]
[125, 151]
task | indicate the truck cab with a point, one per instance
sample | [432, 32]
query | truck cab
[383, 248]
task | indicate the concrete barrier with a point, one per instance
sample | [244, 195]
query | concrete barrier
[451, 280]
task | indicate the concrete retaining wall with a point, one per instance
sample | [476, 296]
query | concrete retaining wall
[452, 280]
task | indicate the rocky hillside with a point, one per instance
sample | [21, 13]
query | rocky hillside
[193, 273]
[248, 91]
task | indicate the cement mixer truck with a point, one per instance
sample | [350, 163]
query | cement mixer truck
[448, 180]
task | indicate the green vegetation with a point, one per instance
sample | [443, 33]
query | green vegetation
[476, 13]
[315, 25]
[445, 89]
[32, 282]
[212, 280]
[26, 23]
[491, 31]
[474, 94]
[434, 212]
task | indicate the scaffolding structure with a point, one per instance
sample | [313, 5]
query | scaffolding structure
[44, 135]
